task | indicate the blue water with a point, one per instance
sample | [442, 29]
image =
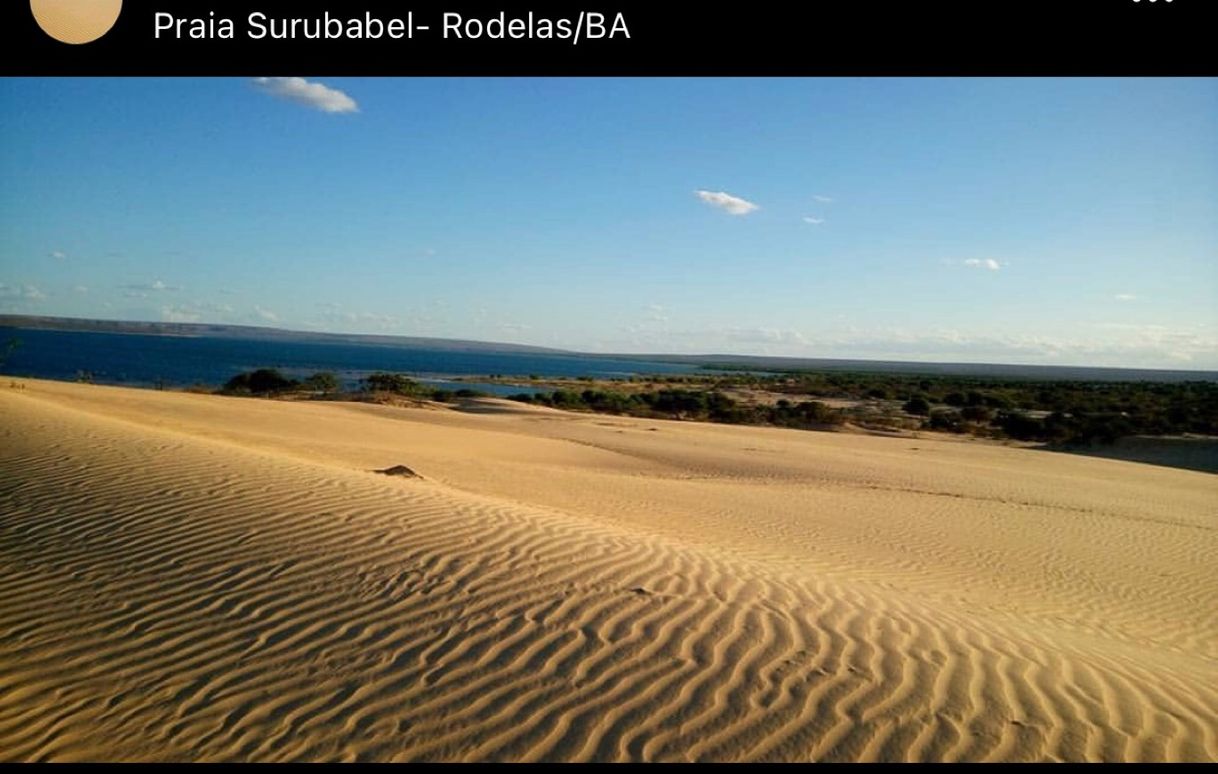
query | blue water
[178, 361]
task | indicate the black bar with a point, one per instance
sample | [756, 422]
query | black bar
[846, 37]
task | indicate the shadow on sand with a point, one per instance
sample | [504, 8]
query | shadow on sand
[1187, 452]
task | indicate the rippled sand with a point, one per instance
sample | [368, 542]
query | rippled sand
[194, 577]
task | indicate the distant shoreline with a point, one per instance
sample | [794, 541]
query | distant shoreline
[707, 361]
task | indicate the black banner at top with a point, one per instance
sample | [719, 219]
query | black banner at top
[610, 37]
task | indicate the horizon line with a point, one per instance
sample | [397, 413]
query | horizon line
[704, 359]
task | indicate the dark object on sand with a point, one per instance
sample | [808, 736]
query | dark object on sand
[398, 470]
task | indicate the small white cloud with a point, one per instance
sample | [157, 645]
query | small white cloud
[80, 289]
[24, 292]
[141, 289]
[179, 314]
[732, 205]
[58, 255]
[1125, 297]
[311, 94]
[265, 314]
[656, 313]
[813, 221]
[823, 199]
[983, 263]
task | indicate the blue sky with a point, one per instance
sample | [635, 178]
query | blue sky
[1006, 220]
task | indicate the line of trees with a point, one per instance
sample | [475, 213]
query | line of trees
[703, 405]
[269, 382]
[1058, 412]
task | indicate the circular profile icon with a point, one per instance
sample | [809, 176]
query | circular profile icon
[76, 21]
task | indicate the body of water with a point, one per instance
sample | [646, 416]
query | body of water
[180, 361]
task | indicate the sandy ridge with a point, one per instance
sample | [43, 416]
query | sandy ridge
[165, 595]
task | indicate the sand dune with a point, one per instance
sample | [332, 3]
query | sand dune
[191, 577]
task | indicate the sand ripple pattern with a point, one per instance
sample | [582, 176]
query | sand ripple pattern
[164, 597]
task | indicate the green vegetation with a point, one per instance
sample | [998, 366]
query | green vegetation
[392, 383]
[1065, 413]
[264, 381]
[324, 382]
[325, 385]
[706, 406]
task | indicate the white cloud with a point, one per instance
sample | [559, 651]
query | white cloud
[311, 94]
[24, 292]
[813, 221]
[823, 199]
[1125, 297]
[80, 289]
[1120, 345]
[764, 335]
[656, 313]
[141, 289]
[983, 263]
[732, 205]
[334, 316]
[265, 314]
[58, 255]
[179, 314]
[381, 321]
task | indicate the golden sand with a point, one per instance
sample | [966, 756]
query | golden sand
[193, 577]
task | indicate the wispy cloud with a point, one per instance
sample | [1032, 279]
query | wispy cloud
[156, 286]
[58, 255]
[179, 314]
[1113, 345]
[81, 289]
[23, 292]
[333, 315]
[732, 205]
[656, 313]
[196, 311]
[308, 93]
[144, 289]
[265, 314]
[813, 221]
[983, 263]
[823, 199]
[1125, 297]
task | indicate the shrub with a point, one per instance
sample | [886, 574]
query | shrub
[1021, 427]
[395, 383]
[945, 419]
[264, 381]
[976, 414]
[917, 405]
[322, 381]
